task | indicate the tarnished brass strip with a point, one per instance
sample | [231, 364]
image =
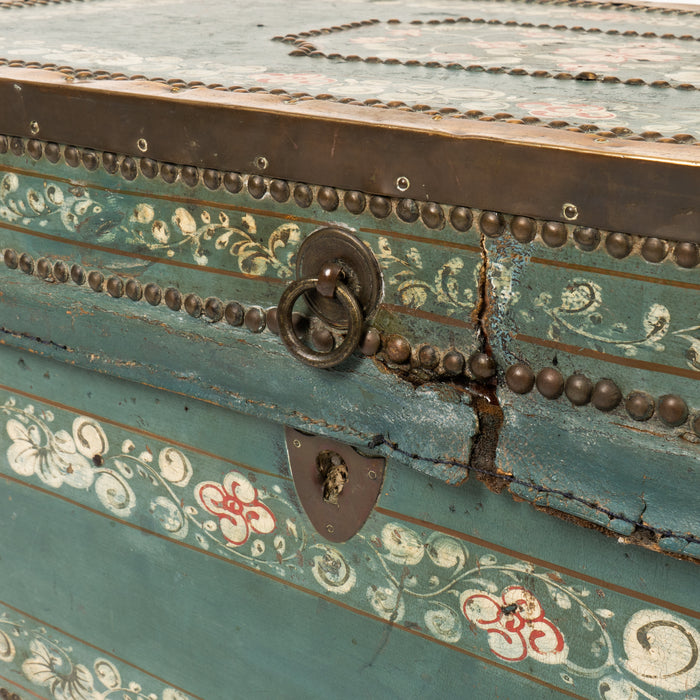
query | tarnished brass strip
[654, 186]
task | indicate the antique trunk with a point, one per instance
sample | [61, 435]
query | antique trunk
[349, 349]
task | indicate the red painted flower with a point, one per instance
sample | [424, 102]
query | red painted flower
[516, 625]
[238, 507]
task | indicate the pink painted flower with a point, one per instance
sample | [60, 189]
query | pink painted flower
[313, 79]
[516, 625]
[237, 505]
[552, 110]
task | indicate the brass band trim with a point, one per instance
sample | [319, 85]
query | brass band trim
[554, 176]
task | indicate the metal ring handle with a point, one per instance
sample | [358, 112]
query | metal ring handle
[295, 345]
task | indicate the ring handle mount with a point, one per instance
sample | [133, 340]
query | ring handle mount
[353, 313]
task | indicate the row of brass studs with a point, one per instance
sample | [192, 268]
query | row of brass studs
[398, 351]
[394, 349]
[305, 48]
[555, 234]
[434, 216]
[13, 4]
[619, 6]
[605, 395]
[177, 85]
[299, 38]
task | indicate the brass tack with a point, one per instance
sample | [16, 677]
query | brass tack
[11, 258]
[432, 215]
[578, 389]
[402, 183]
[303, 196]
[279, 189]
[639, 406]
[492, 224]
[3, 144]
[696, 426]
[35, 149]
[133, 289]
[554, 234]
[587, 238]
[371, 342]
[686, 254]
[322, 339]
[355, 202]
[296, 443]
[407, 210]
[672, 410]
[72, 156]
[654, 250]
[428, 356]
[380, 207]
[398, 349]
[77, 274]
[169, 172]
[193, 305]
[523, 229]
[173, 299]
[461, 218]
[256, 186]
[96, 280]
[115, 287]
[211, 179]
[214, 309]
[618, 245]
[149, 168]
[190, 176]
[234, 314]
[271, 320]
[371, 474]
[110, 161]
[328, 198]
[520, 378]
[26, 263]
[453, 362]
[550, 383]
[16, 146]
[142, 145]
[482, 366]
[254, 319]
[43, 268]
[233, 182]
[606, 395]
[61, 271]
[128, 168]
[52, 151]
[153, 294]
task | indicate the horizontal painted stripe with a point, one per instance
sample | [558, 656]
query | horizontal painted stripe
[139, 256]
[545, 564]
[95, 648]
[139, 431]
[232, 207]
[283, 582]
[615, 273]
[422, 239]
[605, 357]
[390, 513]
[419, 313]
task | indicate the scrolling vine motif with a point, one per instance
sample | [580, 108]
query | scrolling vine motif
[421, 580]
[581, 309]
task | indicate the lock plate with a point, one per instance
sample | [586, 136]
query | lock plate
[315, 463]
